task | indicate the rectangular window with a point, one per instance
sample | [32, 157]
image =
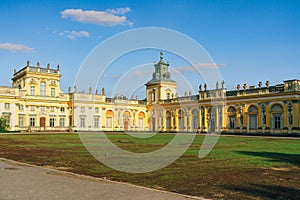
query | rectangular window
[21, 107]
[21, 121]
[52, 92]
[32, 108]
[96, 122]
[52, 109]
[32, 121]
[42, 108]
[168, 95]
[109, 122]
[277, 122]
[32, 90]
[62, 122]
[82, 122]
[62, 109]
[7, 105]
[96, 110]
[43, 89]
[141, 122]
[232, 121]
[82, 109]
[52, 122]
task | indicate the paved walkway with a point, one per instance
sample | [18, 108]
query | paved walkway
[23, 181]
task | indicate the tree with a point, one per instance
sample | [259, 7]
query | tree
[3, 125]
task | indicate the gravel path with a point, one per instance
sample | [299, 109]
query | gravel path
[23, 181]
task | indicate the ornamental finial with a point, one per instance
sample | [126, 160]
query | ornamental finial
[161, 55]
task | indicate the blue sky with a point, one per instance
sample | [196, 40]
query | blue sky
[251, 41]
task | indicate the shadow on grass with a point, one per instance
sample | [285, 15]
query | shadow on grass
[266, 191]
[275, 157]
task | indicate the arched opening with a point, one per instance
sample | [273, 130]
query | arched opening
[168, 120]
[181, 119]
[109, 118]
[277, 116]
[195, 119]
[141, 119]
[231, 117]
[126, 120]
[252, 117]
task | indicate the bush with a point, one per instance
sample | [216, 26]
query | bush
[3, 125]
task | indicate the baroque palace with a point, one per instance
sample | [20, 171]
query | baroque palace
[35, 102]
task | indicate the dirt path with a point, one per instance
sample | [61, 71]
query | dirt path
[23, 181]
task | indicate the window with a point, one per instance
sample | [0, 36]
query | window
[21, 121]
[82, 122]
[43, 89]
[52, 109]
[277, 121]
[82, 109]
[52, 122]
[195, 120]
[62, 109]
[96, 110]
[32, 121]
[52, 92]
[32, 90]
[7, 105]
[168, 120]
[21, 107]
[168, 95]
[232, 121]
[108, 122]
[6, 119]
[42, 108]
[141, 122]
[181, 119]
[96, 122]
[252, 121]
[32, 108]
[62, 122]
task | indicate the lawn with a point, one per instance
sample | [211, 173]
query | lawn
[237, 167]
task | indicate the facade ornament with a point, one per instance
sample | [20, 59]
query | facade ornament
[96, 92]
[185, 93]
[136, 97]
[238, 87]
[38, 64]
[48, 66]
[222, 84]
[27, 63]
[172, 95]
[245, 86]
[69, 90]
[58, 67]
[267, 84]
[217, 85]
[205, 86]
[260, 84]
[190, 93]
[103, 91]
[200, 88]
[15, 71]
[132, 97]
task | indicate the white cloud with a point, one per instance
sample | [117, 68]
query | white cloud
[74, 34]
[15, 47]
[117, 11]
[104, 18]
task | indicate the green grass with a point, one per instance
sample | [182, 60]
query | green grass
[237, 167]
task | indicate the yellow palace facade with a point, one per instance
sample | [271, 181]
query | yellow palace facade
[35, 102]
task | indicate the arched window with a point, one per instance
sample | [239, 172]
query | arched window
[141, 119]
[252, 117]
[277, 116]
[43, 89]
[231, 117]
[181, 119]
[109, 118]
[168, 119]
[195, 120]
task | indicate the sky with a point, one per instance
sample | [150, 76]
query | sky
[249, 41]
